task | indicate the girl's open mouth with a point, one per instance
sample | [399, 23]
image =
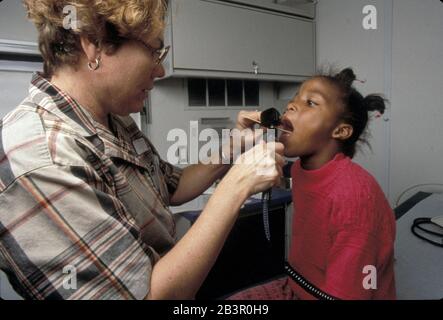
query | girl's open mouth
[287, 130]
[287, 126]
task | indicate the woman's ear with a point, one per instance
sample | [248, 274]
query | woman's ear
[343, 132]
[90, 49]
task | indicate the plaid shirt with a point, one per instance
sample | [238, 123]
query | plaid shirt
[83, 212]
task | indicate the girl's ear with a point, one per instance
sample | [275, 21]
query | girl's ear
[343, 132]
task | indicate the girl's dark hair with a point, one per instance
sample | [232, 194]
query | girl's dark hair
[356, 108]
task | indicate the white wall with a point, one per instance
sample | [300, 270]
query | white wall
[13, 22]
[403, 60]
[342, 42]
[169, 110]
[417, 95]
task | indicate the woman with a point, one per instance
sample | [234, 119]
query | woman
[84, 196]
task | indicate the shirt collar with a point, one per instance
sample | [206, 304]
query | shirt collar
[121, 145]
[322, 177]
[46, 95]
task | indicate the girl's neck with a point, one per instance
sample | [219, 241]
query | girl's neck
[318, 160]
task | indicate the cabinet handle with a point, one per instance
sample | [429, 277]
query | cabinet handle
[255, 67]
[215, 121]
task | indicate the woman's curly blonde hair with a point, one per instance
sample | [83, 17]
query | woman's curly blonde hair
[107, 23]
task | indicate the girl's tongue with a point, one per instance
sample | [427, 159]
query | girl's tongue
[287, 125]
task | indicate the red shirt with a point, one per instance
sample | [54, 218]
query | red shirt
[342, 228]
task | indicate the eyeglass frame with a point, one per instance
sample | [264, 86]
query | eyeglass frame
[161, 53]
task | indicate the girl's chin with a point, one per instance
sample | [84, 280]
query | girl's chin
[291, 154]
[283, 138]
[290, 147]
[287, 140]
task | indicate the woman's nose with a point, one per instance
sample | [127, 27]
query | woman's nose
[159, 71]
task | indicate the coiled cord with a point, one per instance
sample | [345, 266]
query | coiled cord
[306, 285]
[266, 198]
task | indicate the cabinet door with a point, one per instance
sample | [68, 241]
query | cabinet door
[289, 43]
[217, 36]
[213, 36]
[304, 8]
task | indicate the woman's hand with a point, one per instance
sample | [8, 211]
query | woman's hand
[243, 137]
[180, 273]
[258, 169]
[244, 119]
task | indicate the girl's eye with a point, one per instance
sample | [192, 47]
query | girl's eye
[311, 103]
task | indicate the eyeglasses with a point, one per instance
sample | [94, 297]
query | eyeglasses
[159, 55]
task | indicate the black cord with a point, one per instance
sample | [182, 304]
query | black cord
[266, 198]
[417, 225]
[306, 285]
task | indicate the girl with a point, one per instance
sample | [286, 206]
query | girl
[343, 227]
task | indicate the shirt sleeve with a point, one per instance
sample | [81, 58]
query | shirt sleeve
[64, 235]
[170, 174]
[353, 253]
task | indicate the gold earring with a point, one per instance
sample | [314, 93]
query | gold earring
[97, 64]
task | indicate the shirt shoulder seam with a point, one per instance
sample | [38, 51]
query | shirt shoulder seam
[34, 170]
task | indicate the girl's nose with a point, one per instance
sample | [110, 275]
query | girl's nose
[284, 117]
[290, 107]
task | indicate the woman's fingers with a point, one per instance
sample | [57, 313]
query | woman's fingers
[251, 137]
[277, 161]
[261, 167]
[277, 147]
[281, 162]
[247, 119]
[280, 148]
